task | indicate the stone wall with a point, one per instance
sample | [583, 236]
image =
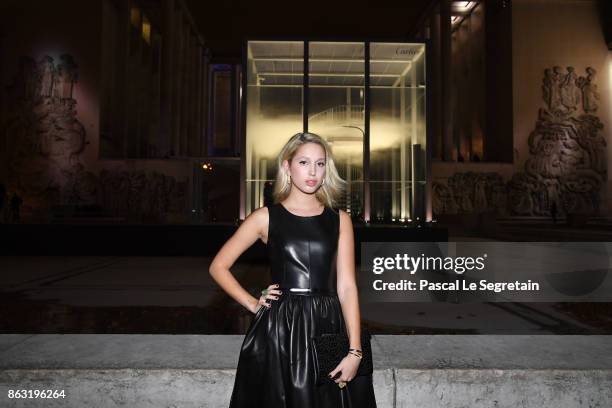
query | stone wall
[562, 81]
[51, 83]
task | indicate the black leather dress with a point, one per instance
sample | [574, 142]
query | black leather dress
[275, 367]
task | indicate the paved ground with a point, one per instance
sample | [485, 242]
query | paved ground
[97, 284]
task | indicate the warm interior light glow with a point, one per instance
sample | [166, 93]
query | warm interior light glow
[326, 74]
[135, 16]
[146, 30]
[271, 135]
[373, 60]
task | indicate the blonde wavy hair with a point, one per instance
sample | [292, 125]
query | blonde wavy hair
[333, 185]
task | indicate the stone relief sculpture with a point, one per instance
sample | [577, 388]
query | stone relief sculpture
[566, 165]
[443, 200]
[470, 192]
[44, 136]
[590, 96]
[555, 88]
[138, 194]
[46, 142]
[47, 73]
[570, 94]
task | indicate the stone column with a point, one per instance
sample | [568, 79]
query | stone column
[498, 143]
[436, 88]
[167, 65]
[185, 89]
[176, 92]
[193, 95]
[446, 80]
[198, 107]
[204, 109]
[189, 122]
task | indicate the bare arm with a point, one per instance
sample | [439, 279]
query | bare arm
[250, 230]
[347, 287]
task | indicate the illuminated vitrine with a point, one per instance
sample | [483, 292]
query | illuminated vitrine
[367, 99]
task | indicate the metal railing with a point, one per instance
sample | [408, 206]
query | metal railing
[339, 114]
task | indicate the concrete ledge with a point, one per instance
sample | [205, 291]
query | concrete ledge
[122, 387]
[477, 388]
[420, 371]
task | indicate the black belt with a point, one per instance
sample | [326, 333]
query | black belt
[307, 291]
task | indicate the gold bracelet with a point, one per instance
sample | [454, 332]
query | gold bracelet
[355, 354]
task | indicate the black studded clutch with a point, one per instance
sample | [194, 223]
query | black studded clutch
[331, 348]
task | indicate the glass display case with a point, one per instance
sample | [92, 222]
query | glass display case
[367, 99]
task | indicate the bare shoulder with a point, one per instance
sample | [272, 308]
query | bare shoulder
[345, 220]
[260, 218]
[344, 214]
[260, 212]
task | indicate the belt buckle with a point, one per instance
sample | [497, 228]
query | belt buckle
[299, 290]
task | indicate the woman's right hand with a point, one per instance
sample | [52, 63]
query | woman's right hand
[272, 292]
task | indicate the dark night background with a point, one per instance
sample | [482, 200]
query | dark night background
[226, 24]
[122, 140]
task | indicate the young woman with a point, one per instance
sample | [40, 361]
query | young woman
[313, 289]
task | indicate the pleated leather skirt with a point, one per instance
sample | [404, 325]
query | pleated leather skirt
[276, 364]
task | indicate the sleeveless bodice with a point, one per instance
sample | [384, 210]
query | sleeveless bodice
[303, 250]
